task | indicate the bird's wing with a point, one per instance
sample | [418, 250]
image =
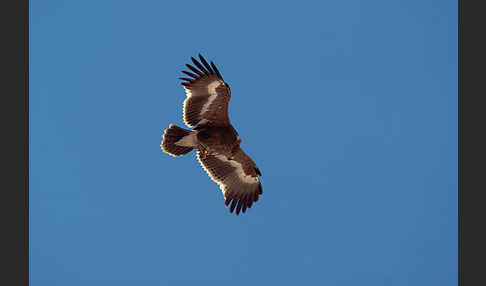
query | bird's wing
[207, 95]
[237, 178]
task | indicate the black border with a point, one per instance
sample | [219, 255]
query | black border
[14, 199]
[472, 142]
[460, 276]
[14, 195]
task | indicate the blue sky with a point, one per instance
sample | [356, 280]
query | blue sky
[349, 108]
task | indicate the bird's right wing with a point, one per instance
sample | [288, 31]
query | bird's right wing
[207, 95]
[237, 177]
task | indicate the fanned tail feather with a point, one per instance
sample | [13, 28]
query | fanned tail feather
[177, 141]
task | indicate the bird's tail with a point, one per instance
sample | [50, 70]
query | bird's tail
[177, 141]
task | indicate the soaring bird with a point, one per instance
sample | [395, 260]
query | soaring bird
[213, 137]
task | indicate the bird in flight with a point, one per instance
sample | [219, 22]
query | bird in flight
[213, 137]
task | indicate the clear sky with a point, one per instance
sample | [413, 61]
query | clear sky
[349, 108]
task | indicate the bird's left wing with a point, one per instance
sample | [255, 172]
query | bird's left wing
[207, 95]
[237, 178]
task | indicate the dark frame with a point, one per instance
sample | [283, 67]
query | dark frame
[15, 102]
[15, 136]
[471, 144]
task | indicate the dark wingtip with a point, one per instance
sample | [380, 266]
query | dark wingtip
[202, 69]
[245, 204]
[205, 63]
[240, 205]
[227, 201]
[191, 74]
[186, 79]
[258, 171]
[216, 70]
[198, 64]
[194, 70]
[233, 205]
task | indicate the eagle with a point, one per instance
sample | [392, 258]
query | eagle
[217, 144]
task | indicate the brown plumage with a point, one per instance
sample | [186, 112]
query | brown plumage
[213, 137]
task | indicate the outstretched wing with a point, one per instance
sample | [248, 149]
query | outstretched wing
[207, 95]
[237, 178]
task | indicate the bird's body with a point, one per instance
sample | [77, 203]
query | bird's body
[220, 139]
[215, 139]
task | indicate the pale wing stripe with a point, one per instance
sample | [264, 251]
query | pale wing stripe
[239, 170]
[213, 94]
